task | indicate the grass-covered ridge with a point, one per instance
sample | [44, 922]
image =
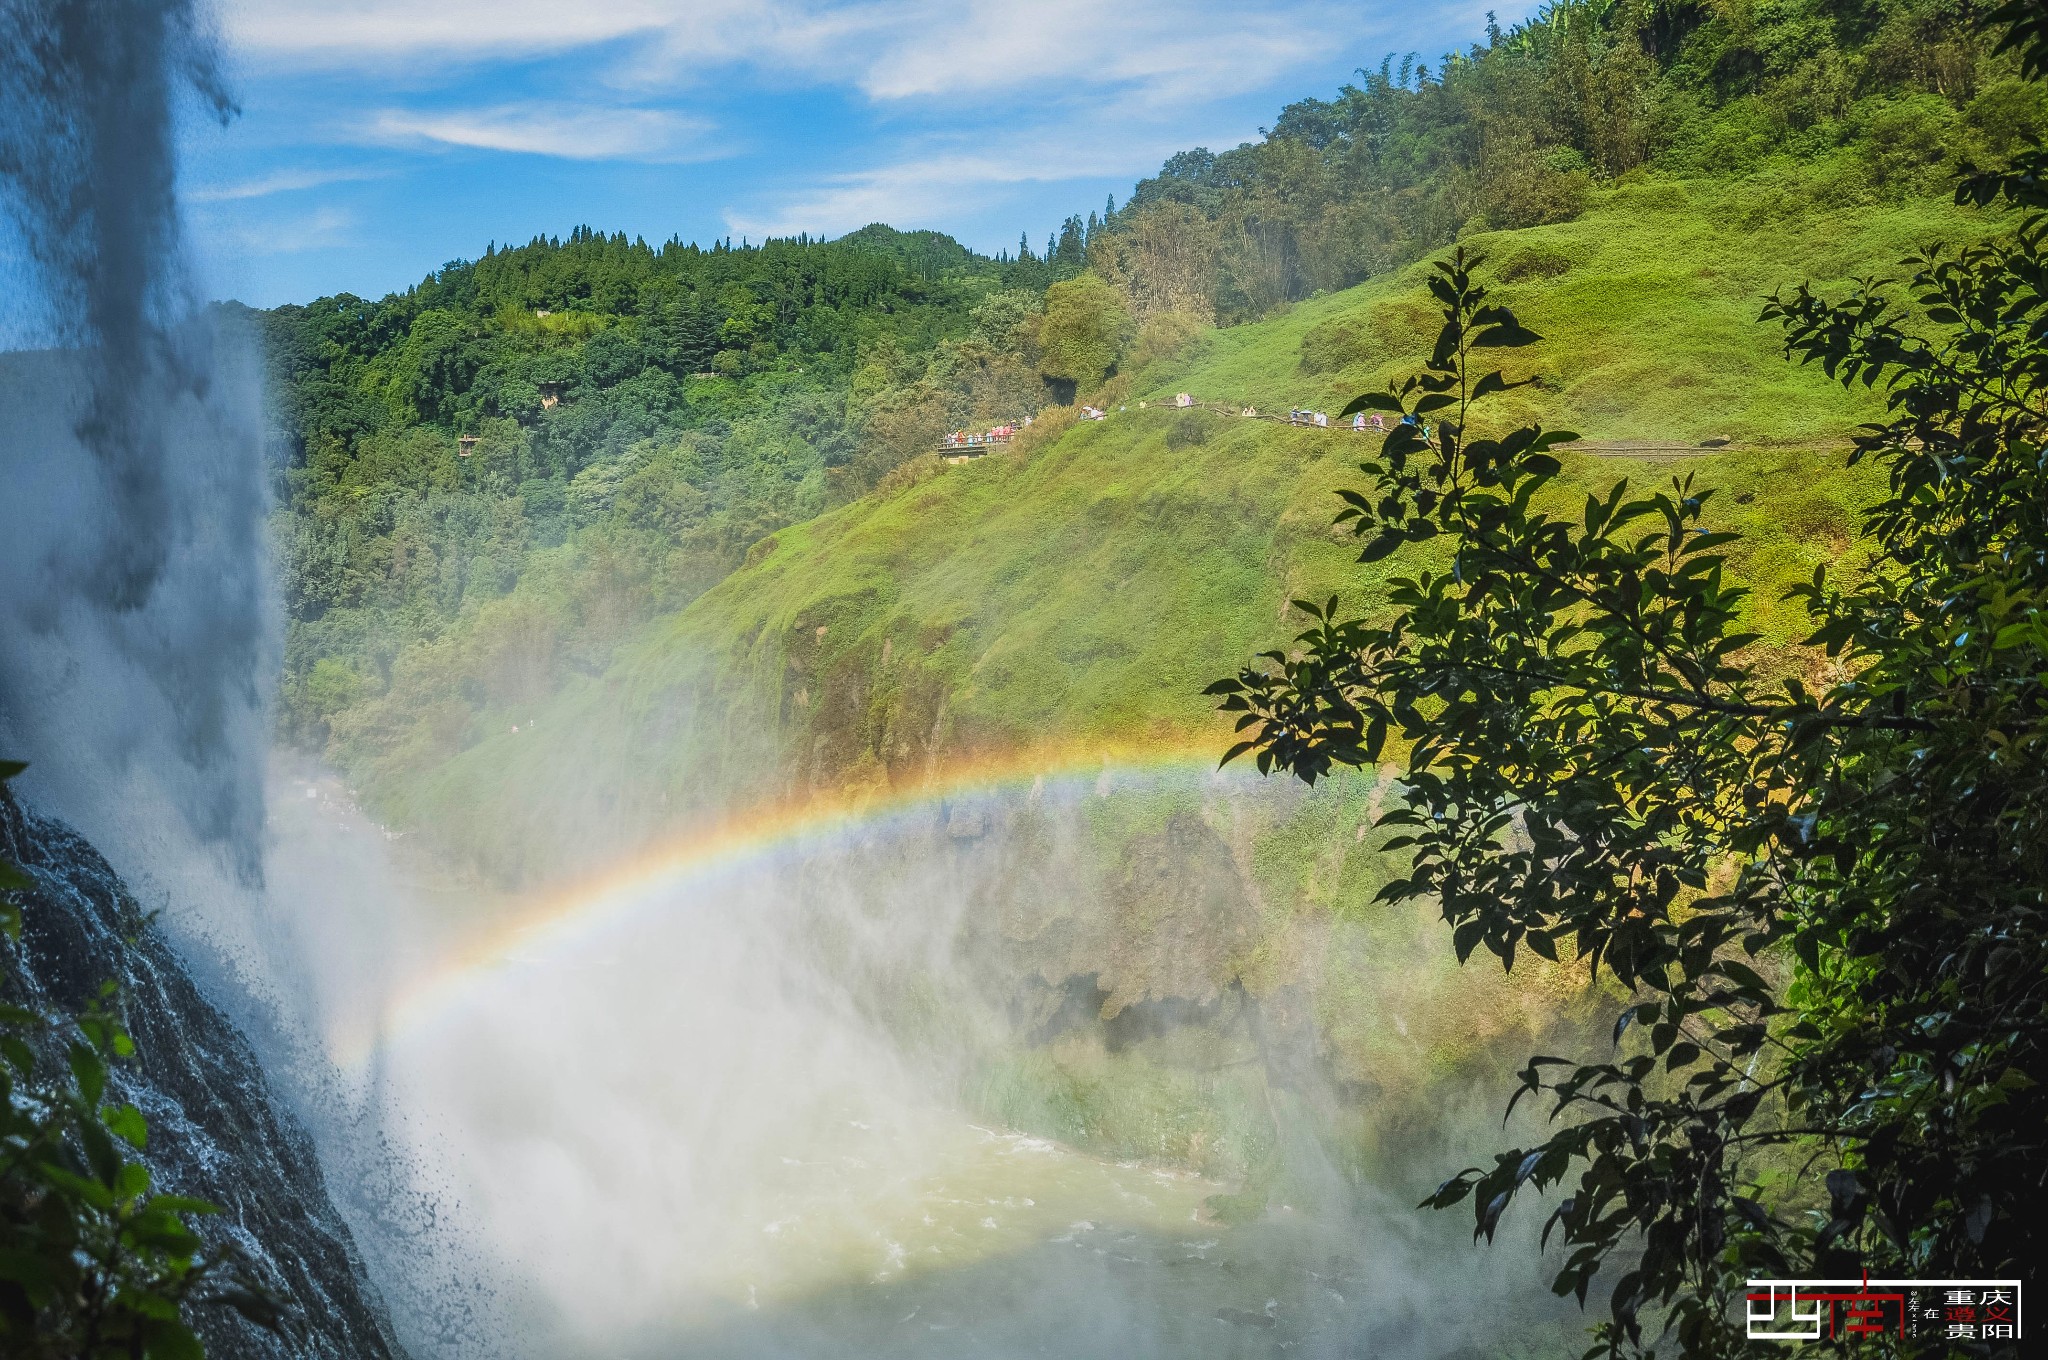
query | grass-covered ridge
[1089, 586]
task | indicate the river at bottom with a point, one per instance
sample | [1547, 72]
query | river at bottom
[1001, 1244]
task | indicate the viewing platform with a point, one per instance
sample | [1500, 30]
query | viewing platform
[961, 446]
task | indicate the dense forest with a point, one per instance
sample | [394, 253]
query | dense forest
[1846, 101]
[486, 481]
[612, 423]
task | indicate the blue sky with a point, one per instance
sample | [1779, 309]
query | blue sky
[381, 138]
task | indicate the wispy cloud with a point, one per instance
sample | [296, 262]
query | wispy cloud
[574, 132]
[321, 229]
[890, 50]
[325, 34]
[928, 185]
[1052, 48]
[814, 115]
[277, 182]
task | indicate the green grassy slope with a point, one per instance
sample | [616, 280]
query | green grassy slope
[1650, 301]
[1088, 588]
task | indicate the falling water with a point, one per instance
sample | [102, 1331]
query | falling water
[141, 624]
[141, 629]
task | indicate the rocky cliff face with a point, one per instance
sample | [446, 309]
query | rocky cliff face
[215, 1131]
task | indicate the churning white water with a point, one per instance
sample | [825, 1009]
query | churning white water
[735, 1111]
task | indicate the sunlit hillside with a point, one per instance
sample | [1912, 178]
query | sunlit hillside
[1085, 588]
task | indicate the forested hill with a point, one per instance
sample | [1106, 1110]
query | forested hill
[577, 317]
[631, 416]
[491, 480]
[1842, 102]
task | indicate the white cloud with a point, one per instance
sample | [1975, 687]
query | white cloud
[1164, 51]
[372, 34]
[964, 111]
[575, 132]
[1048, 49]
[321, 229]
[279, 182]
[331, 33]
[928, 186]
[909, 191]
[1115, 87]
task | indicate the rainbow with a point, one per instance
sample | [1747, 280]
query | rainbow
[755, 835]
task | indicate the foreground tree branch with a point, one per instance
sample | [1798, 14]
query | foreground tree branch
[1828, 907]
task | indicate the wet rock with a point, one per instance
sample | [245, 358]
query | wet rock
[214, 1129]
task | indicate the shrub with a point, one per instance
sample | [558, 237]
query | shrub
[1189, 428]
[1084, 331]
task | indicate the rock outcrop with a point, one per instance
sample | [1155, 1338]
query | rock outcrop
[215, 1130]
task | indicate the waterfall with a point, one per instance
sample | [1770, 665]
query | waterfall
[140, 621]
[139, 629]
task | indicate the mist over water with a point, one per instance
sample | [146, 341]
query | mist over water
[758, 1108]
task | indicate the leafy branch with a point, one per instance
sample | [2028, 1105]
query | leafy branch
[1827, 907]
[94, 1264]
